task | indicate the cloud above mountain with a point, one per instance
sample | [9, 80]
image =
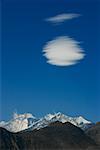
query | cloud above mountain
[62, 18]
[63, 51]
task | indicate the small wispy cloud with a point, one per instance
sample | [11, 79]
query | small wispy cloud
[62, 18]
[63, 51]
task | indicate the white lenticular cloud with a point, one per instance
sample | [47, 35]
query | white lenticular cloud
[62, 18]
[63, 51]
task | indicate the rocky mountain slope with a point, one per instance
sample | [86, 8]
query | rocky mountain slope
[56, 136]
[94, 133]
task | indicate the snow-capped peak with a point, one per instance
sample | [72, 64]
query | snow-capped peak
[64, 118]
[80, 120]
[22, 116]
[19, 122]
[51, 116]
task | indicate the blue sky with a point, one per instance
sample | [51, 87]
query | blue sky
[29, 83]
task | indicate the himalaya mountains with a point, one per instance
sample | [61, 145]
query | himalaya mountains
[52, 132]
[27, 121]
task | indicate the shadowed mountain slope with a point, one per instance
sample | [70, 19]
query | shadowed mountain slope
[94, 133]
[56, 136]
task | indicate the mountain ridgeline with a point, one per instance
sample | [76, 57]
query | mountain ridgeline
[27, 121]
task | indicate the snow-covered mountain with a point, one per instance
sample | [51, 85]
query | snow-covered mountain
[19, 122]
[27, 121]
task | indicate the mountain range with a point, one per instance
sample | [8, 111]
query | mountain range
[52, 132]
[27, 121]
